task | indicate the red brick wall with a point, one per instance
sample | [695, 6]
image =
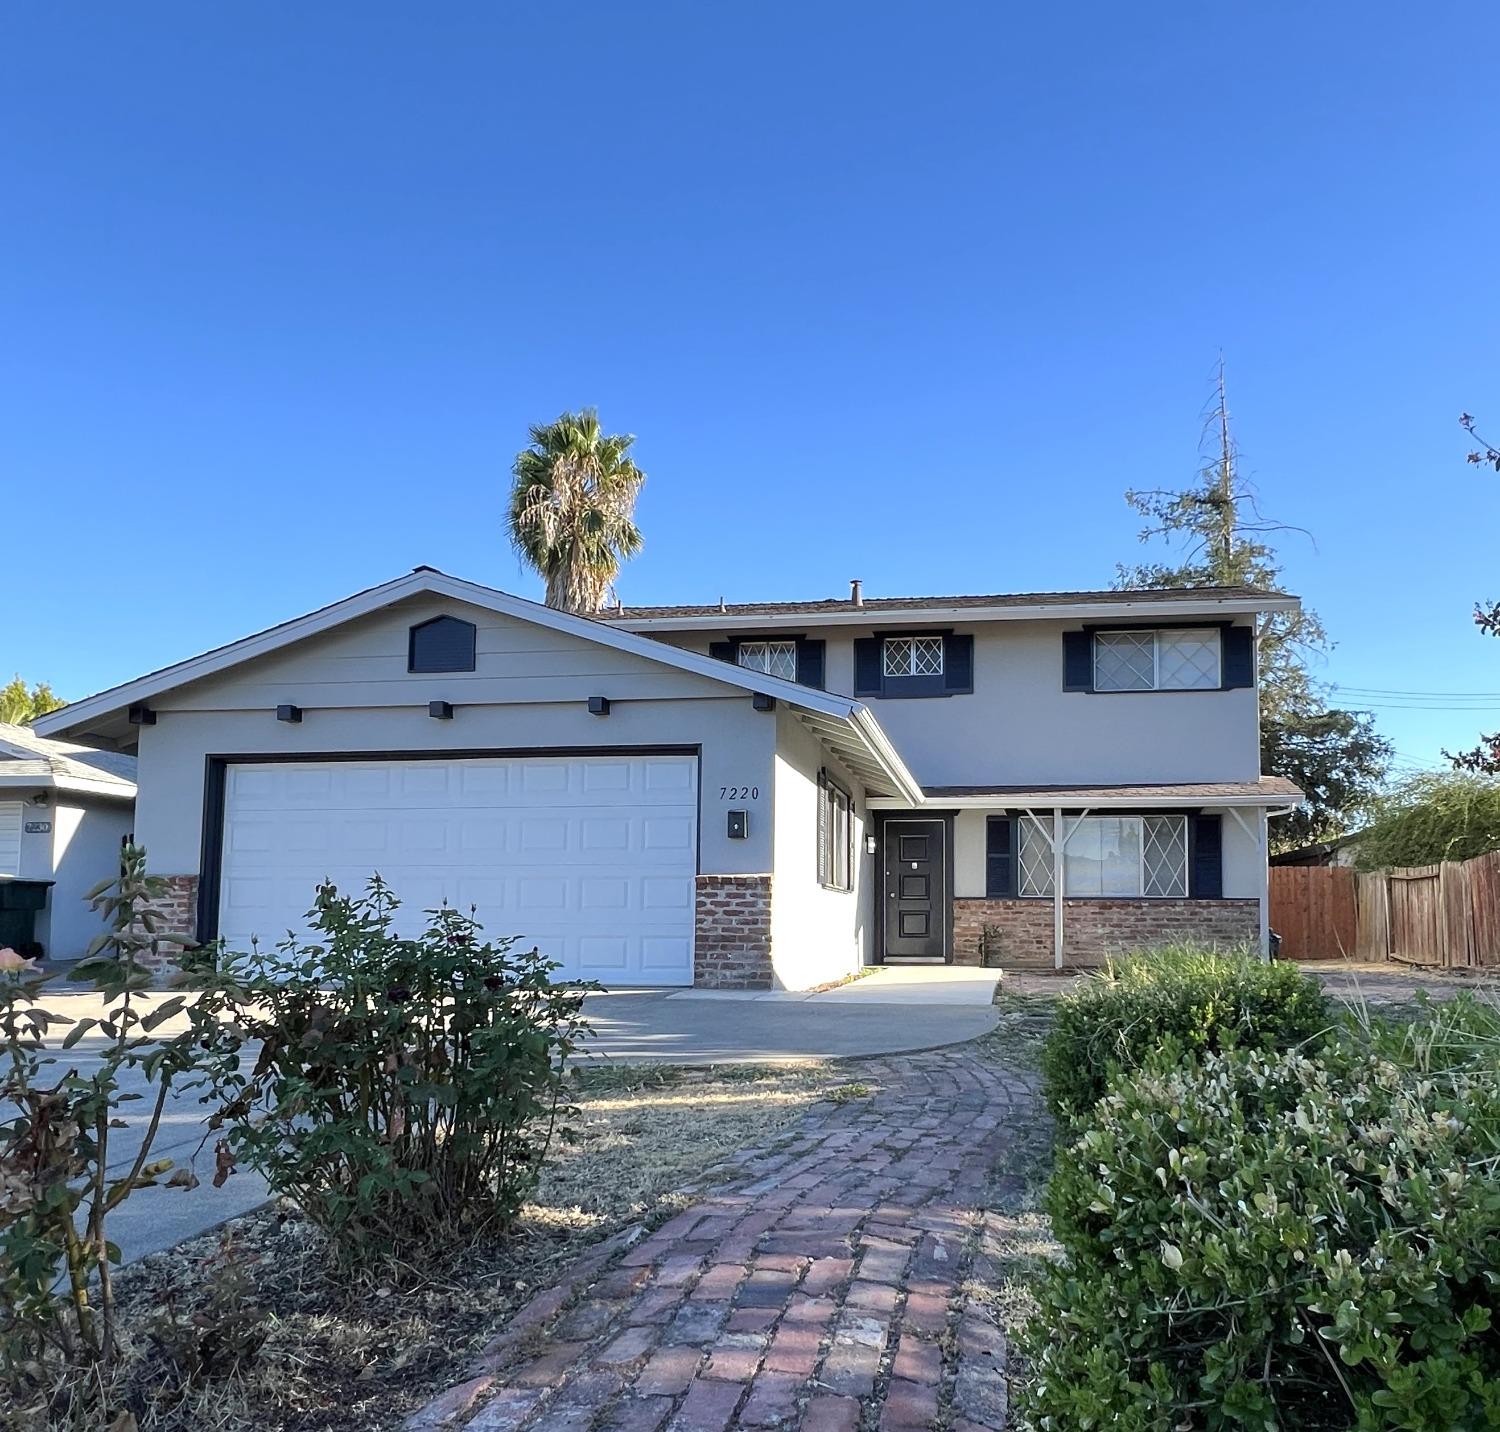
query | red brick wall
[1093, 929]
[176, 913]
[732, 932]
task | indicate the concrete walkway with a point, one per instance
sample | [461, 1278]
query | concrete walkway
[821, 1290]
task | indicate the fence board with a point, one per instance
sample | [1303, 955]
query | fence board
[1446, 915]
[1313, 910]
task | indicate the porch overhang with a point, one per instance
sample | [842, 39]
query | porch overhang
[1269, 792]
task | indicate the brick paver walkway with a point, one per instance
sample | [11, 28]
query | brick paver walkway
[822, 1288]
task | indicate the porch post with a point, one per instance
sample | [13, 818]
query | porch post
[1059, 842]
[1263, 850]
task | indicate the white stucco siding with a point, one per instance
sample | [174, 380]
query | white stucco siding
[737, 747]
[1243, 864]
[817, 935]
[86, 842]
[528, 692]
[1020, 726]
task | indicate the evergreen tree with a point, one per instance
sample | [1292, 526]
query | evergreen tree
[1221, 539]
[20, 704]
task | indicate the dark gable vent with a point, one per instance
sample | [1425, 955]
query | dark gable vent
[442, 644]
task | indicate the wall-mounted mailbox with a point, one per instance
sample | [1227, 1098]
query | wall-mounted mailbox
[739, 824]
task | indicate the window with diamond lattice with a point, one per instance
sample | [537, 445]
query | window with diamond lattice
[774, 658]
[1034, 875]
[913, 656]
[1106, 856]
[1186, 659]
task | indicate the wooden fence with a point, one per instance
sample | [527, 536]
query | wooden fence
[1446, 914]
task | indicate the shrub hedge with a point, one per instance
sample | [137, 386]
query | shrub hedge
[1268, 1239]
[1184, 998]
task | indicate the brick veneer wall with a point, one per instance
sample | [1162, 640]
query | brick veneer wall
[1093, 929]
[176, 913]
[732, 932]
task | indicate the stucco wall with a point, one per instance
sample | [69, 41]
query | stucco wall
[528, 692]
[1020, 725]
[817, 935]
[86, 842]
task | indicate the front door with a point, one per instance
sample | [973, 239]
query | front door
[914, 885]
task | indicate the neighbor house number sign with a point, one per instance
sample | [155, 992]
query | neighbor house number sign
[739, 793]
[38, 827]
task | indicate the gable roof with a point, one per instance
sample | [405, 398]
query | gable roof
[28, 759]
[1083, 605]
[847, 727]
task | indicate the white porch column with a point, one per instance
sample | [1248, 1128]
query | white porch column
[1059, 844]
[1258, 829]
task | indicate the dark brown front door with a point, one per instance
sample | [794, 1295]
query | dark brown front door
[914, 887]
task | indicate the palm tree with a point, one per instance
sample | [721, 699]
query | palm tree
[572, 508]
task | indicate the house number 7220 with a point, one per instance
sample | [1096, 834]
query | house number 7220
[739, 793]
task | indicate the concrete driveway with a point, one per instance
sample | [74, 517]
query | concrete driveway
[889, 1012]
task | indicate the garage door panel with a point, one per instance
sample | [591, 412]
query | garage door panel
[590, 858]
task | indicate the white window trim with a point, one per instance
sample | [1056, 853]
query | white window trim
[1156, 633]
[1073, 824]
[16, 809]
[911, 656]
[831, 797]
[765, 648]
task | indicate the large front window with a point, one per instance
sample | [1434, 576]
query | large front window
[1187, 659]
[913, 656]
[774, 658]
[1122, 855]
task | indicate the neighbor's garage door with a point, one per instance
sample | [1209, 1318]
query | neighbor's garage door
[592, 858]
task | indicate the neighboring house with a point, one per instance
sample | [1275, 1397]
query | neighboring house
[1344, 851]
[732, 796]
[64, 812]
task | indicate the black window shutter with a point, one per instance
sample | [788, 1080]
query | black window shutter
[810, 663]
[999, 857]
[1206, 857]
[1238, 656]
[721, 650]
[1078, 661]
[958, 663]
[867, 666]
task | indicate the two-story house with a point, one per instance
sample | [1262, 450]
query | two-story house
[733, 796]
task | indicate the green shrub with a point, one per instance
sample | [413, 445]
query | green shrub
[1264, 1239]
[1196, 1000]
[405, 1090]
[1440, 815]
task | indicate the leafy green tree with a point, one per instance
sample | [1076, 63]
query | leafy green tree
[1221, 539]
[21, 704]
[1485, 757]
[1438, 815]
[572, 508]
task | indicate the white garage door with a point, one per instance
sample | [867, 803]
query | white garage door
[590, 857]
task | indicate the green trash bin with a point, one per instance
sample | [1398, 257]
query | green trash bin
[19, 902]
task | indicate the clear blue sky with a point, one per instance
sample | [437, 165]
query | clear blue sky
[904, 292]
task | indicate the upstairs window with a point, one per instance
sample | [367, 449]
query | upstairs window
[774, 658]
[914, 664]
[442, 644]
[1182, 660]
[913, 656]
[1211, 657]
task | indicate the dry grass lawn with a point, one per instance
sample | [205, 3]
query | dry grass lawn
[320, 1354]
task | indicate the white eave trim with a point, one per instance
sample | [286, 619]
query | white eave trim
[77, 785]
[1277, 804]
[949, 616]
[92, 709]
